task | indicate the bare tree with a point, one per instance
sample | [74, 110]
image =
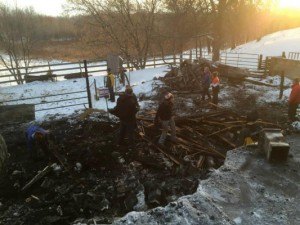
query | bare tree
[127, 25]
[17, 39]
[230, 17]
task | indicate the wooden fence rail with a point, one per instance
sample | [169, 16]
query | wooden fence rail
[98, 67]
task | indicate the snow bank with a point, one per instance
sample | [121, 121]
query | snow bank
[273, 44]
[246, 190]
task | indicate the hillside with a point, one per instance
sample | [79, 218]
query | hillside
[273, 44]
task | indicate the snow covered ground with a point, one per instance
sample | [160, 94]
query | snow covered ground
[273, 44]
[142, 82]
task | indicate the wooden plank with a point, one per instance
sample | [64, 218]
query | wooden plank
[162, 151]
[37, 177]
[201, 161]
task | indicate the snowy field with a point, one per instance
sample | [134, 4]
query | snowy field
[273, 44]
[142, 82]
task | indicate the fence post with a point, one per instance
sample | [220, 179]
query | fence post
[96, 94]
[154, 61]
[190, 55]
[88, 84]
[181, 57]
[260, 59]
[266, 66]
[200, 48]
[196, 47]
[174, 58]
[281, 84]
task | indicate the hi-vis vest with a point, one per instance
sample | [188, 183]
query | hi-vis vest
[215, 82]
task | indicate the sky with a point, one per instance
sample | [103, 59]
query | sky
[55, 7]
[47, 7]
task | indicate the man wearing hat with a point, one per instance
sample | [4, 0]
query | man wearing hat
[165, 116]
[126, 109]
[110, 84]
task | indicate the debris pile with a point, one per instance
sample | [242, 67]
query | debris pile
[188, 76]
[204, 139]
[88, 177]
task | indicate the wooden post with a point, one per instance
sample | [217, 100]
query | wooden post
[96, 94]
[196, 47]
[200, 48]
[174, 58]
[191, 55]
[154, 61]
[181, 57]
[266, 66]
[281, 84]
[260, 59]
[88, 85]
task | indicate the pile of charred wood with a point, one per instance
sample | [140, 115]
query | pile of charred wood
[203, 140]
[189, 75]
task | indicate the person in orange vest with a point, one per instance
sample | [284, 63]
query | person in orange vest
[294, 100]
[215, 84]
[110, 84]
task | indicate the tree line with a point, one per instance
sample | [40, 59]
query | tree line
[138, 29]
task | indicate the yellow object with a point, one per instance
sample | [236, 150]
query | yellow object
[248, 141]
[112, 79]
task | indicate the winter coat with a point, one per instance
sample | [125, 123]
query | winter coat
[206, 81]
[165, 111]
[30, 135]
[110, 80]
[126, 108]
[295, 94]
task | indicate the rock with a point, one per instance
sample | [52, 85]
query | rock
[104, 204]
[78, 167]
[3, 152]
[59, 210]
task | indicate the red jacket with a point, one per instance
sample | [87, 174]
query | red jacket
[295, 94]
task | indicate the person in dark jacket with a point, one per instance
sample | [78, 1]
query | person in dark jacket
[126, 109]
[36, 138]
[110, 84]
[206, 81]
[165, 116]
[294, 100]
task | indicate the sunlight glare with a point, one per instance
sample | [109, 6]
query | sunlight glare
[290, 4]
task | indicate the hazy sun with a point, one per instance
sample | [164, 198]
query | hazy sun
[291, 4]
